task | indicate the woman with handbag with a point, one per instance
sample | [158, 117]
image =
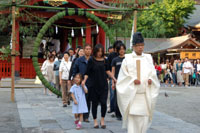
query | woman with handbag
[47, 71]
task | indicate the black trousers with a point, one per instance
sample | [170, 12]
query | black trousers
[102, 99]
[117, 112]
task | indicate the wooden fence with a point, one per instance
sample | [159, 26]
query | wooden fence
[26, 68]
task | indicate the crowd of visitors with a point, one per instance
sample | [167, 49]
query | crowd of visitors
[179, 72]
[87, 77]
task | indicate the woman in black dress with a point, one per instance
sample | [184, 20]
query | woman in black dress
[97, 70]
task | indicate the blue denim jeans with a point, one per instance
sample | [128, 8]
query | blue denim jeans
[174, 78]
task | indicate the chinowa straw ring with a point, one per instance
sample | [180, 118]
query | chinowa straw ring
[68, 12]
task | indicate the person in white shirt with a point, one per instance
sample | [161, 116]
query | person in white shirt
[47, 71]
[187, 67]
[198, 71]
[198, 65]
[64, 78]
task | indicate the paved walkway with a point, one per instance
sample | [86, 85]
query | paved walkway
[9, 116]
[40, 113]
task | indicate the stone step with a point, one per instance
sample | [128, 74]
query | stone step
[22, 83]
[8, 85]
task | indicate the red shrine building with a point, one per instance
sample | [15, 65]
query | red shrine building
[92, 35]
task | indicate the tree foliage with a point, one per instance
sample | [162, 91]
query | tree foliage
[5, 53]
[165, 18]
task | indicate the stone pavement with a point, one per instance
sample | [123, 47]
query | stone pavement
[41, 113]
[9, 116]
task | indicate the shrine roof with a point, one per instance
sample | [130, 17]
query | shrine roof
[153, 45]
[95, 4]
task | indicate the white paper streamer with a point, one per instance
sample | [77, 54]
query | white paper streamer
[72, 34]
[97, 28]
[82, 32]
[132, 32]
[56, 30]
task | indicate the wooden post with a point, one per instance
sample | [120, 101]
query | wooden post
[74, 43]
[13, 52]
[80, 40]
[17, 45]
[88, 38]
[135, 17]
[138, 69]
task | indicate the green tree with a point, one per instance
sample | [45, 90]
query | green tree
[165, 18]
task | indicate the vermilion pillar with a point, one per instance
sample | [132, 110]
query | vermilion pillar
[74, 43]
[80, 40]
[97, 39]
[88, 39]
[17, 58]
[64, 42]
[102, 37]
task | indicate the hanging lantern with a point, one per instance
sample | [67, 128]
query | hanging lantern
[72, 34]
[82, 32]
[56, 30]
[97, 28]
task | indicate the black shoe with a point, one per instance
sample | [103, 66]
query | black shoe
[58, 96]
[68, 102]
[109, 111]
[64, 105]
[96, 127]
[103, 126]
[119, 118]
[86, 120]
[113, 115]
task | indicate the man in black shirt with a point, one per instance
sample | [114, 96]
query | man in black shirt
[111, 56]
[110, 49]
[116, 65]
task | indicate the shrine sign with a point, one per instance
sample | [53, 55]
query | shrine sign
[190, 55]
[55, 2]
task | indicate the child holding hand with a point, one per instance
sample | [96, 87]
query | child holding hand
[79, 105]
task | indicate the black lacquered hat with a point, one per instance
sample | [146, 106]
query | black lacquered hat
[137, 38]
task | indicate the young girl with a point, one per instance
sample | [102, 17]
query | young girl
[78, 95]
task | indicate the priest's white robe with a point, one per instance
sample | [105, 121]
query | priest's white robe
[137, 102]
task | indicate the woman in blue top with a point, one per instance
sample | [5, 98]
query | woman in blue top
[79, 105]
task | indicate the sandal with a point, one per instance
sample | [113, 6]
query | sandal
[97, 126]
[103, 126]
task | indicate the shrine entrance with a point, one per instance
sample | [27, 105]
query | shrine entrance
[60, 15]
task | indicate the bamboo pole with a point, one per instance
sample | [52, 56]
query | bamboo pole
[135, 17]
[135, 21]
[13, 52]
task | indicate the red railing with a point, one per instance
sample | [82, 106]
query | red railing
[26, 68]
[5, 69]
